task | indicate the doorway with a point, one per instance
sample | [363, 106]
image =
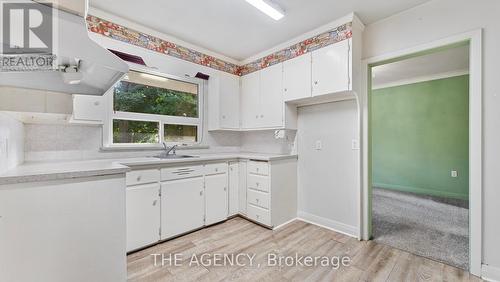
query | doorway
[419, 147]
[473, 40]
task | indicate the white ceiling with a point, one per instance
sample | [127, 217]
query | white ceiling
[236, 29]
[450, 61]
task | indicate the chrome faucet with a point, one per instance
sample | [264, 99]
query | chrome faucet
[169, 149]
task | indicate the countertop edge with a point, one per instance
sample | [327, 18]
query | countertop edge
[122, 166]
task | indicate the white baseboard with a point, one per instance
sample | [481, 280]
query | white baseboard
[283, 224]
[328, 224]
[490, 273]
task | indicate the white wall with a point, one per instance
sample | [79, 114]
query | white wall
[11, 142]
[327, 178]
[439, 19]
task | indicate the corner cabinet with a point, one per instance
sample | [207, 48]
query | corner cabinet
[262, 104]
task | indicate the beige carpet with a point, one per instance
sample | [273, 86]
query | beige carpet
[421, 225]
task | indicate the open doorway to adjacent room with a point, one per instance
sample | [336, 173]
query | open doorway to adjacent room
[419, 153]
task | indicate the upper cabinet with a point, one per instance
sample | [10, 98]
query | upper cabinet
[223, 102]
[330, 69]
[271, 97]
[297, 78]
[262, 104]
[250, 100]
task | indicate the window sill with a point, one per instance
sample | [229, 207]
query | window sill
[148, 148]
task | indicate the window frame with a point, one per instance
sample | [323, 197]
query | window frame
[160, 119]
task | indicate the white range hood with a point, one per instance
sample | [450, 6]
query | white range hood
[97, 69]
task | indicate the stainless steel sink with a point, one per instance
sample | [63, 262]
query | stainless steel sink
[170, 156]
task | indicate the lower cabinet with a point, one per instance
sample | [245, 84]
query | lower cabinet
[143, 215]
[216, 202]
[234, 186]
[183, 206]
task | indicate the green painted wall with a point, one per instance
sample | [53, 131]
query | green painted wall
[419, 134]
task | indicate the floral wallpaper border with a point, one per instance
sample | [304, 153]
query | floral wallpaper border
[130, 36]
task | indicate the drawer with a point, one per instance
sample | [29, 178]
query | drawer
[261, 168]
[216, 168]
[259, 214]
[258, 182]
[257, 198]
[172, 173]
[142, 176]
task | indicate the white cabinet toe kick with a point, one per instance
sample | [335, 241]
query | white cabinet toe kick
[166, 202]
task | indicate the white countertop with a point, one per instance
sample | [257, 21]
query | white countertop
[46, 171]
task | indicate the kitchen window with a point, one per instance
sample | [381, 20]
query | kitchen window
[150, 108]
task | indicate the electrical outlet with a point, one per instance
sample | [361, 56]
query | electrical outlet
[318, 145]
[454, 173]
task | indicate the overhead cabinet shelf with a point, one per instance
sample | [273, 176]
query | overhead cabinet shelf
[268, 98]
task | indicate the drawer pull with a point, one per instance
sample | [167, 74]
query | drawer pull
[139, 178]
[257, 216]
[257, 200]
[257, 184]
[216, 170]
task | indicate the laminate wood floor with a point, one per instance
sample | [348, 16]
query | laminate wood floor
[369, 261]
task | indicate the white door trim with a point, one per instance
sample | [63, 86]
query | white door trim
[475, 138]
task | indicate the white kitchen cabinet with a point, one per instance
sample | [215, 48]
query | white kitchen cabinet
[65, 230]
[330, 69]
[182, 206]
[88, 109]
[242, 189]
[216, 200]
[233, 193]
[271, 97]
[297, 78]
[250, 100]
[271, 197]
[224, 102]
[143, 215]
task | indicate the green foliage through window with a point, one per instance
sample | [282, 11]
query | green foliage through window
[139, 98]
[131, 131]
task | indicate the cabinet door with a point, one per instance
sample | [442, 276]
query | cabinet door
[234, 181]
[250, 95]
[242, 195]
[88, 108]
[182, 206]
[229, 115]
[271, 96]
[143, 215]
[297, 78]
[215, 198]
[330, 69]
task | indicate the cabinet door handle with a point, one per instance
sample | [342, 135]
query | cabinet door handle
[256, 200]
[286, 90]
[138, 178]
[316, 82]
[154, 202]
[225, 189]
[201, 193]
[257, 184]
[257, 116]
[96, 103]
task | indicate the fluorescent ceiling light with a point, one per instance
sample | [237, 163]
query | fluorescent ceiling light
[269, 8]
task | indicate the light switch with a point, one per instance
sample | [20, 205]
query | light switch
[318, 145]
[454, 173]
[3, 147]
[355, 144]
